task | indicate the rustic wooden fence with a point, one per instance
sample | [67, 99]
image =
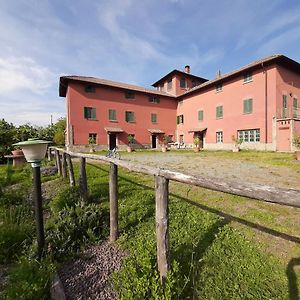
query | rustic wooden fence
[63, 158]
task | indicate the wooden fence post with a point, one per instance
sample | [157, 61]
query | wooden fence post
[113, 202]
[49, 154]
[83, 182]
[64, 165]
[162, 225]
[71, 171]
[58, 161]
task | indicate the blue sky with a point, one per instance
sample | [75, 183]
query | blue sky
[133, 41]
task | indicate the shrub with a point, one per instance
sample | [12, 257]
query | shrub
[68, 232]
[16, 230]
[30, 280]
[68, 198]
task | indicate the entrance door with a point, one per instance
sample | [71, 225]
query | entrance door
[201, 139]
[112, 141]
[153, 140]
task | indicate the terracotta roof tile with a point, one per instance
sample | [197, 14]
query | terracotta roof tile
[64, 81]
[235, 72]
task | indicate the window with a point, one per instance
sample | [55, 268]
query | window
[295, 108]
[112, 115]
[169, 84]
[129, 95]
[194, 83]
[248, 106]
[200, 115]
[154, 99]
[90, 89]
[219, 137]
[183, 83]
[154, 118]
[219, 88]
[284, 106]
[129, 116]
[248, 77]
[90, 113]
[92, 138]
[219, 112]
[249, 136]
[180, 119]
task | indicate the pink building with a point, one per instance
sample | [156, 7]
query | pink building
[257, 104]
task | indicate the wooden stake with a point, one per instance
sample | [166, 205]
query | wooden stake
[58, 161]
[83, 191]
[64, 165]
[113, 202]
[70, 170]
[162, 225]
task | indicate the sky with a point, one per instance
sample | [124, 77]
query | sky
[132, 41]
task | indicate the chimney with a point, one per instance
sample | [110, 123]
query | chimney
[187, 69]
[218, 74]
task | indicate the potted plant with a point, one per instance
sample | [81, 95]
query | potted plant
[237, 144]
[130, 139]
[166, 140]
[92, 143]
[196, 143]
[296, 143]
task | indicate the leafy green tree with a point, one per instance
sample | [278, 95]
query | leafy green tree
[59, 131]
[7, 134]
[25, 132]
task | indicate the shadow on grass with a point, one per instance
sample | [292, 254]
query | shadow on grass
[193, 253]
[292, 278]
[196, 252]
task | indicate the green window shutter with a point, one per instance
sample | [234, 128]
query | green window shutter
[127, 116]
[219, 111]
[177, 121]
[295, 103]
[86, 113]
[284, 101]
[200, 115]
[248, 106]
[93, 113]
[154, 118]
[112, 115]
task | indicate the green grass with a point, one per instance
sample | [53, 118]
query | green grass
[211, 257]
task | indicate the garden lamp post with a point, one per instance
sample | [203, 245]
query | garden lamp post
[34, 151]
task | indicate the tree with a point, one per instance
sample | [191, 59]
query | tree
[7, 134]
[59, 131]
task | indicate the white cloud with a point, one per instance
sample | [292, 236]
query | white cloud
[24, 73]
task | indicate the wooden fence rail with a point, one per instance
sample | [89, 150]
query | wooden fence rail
[289, 197]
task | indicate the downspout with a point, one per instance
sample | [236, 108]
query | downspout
[266, 103]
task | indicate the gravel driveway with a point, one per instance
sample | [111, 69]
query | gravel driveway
[212, 164]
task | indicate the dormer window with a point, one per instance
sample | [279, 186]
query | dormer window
[90, 89]
[248, 77]
[219, 88]
[183, 84]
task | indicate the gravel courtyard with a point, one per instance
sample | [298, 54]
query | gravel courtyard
[275, 169]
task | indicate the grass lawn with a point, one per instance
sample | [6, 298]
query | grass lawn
[221, 246]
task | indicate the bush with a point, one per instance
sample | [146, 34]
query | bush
[72, 228]
[30, 280]
[68, 198]
[16, 230]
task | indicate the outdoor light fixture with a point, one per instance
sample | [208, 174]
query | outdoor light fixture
[34, 151]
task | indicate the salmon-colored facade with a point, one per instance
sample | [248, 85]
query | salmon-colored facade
[257, 105]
